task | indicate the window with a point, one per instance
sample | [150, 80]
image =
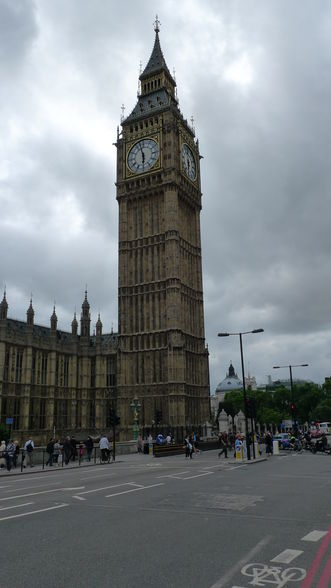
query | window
[19, 362]
[111, 371]
[44, 368]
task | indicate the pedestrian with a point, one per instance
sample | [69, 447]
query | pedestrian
[2, 454]
[223, 439]
[67, 449]
[16, 454]
[50, 451]
[9, 454]
[140, 444]
[28, 452]
[168, 439]
[104, 448]
[56, 451]
[73, 448]
[81, 452]
[89, 447]
[268, 444]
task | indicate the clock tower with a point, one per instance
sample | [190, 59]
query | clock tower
[162, 358]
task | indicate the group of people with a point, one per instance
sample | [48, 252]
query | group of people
[191, 444]
[10, 451]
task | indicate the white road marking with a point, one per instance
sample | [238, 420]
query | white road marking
[37, 486]
[79, 497]
[30, 494]
[314, 536]
[173, 475]
[104, 488]
[26, 514]
[197, 476]
[237, 567]
[42, 492]
[16, 506]
[287, 556]
[134, 490]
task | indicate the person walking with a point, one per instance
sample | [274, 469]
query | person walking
[89, 447]
[28, 452]
[104, 448]
[67, 450]
[268, 444]
[50, 451]
[9, 454]
[223, 439]
[16, 454]
[56, 451]
[139, 444]
[2, 454]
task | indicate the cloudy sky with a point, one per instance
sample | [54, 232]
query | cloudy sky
[256, 76]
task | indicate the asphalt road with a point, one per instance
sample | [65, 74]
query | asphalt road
[169, 523]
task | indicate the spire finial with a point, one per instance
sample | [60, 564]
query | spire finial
[157, 24]
[122, 115]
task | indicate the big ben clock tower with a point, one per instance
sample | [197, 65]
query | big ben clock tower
[163, 359]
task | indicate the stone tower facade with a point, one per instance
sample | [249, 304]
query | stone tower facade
[162, 358]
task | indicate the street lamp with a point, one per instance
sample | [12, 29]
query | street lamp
[277, 367]
[135, 407]
[243, 377]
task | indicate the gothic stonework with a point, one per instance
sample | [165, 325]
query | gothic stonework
[163, 358]
[50, 378]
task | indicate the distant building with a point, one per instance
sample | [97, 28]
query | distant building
[230, 383]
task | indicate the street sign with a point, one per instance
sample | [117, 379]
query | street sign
[9, 420]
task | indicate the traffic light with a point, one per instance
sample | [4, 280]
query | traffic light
[250, 408]
[292, 407]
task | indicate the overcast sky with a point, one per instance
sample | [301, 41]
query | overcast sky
[256, 76]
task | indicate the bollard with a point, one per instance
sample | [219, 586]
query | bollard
[275, 445]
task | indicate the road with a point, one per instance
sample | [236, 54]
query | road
[169, 523]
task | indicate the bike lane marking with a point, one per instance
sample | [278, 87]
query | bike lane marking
[244, 560]
[287, 556]
[312, 572]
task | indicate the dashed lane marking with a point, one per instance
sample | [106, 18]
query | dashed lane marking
[16, 506]
[26, 514]
[104, 488]
[79, 497]
[133, 490]
[314, 536]
[287, 556]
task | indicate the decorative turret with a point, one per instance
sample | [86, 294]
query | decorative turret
[54, 320]
[98, 327]
[30, 314]
[3, 307]
[85, 319]
[74, 326]
[157, 85]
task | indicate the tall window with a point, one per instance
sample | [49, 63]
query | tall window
[111, 371]
[16, 415]
[42, 413]
[19, 362]
[6, 366]
[44, 368]
[92, 382]
[66, 370]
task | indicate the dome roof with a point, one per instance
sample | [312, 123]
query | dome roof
[231, 382]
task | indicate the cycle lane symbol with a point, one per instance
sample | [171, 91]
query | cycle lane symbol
[264, 575]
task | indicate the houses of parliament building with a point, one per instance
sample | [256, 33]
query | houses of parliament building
[71, 382]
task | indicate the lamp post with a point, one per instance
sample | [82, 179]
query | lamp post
[277, 367]
[243, 377]
[135, 407]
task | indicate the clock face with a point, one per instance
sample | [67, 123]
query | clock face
[188, 161]
[143, 155]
